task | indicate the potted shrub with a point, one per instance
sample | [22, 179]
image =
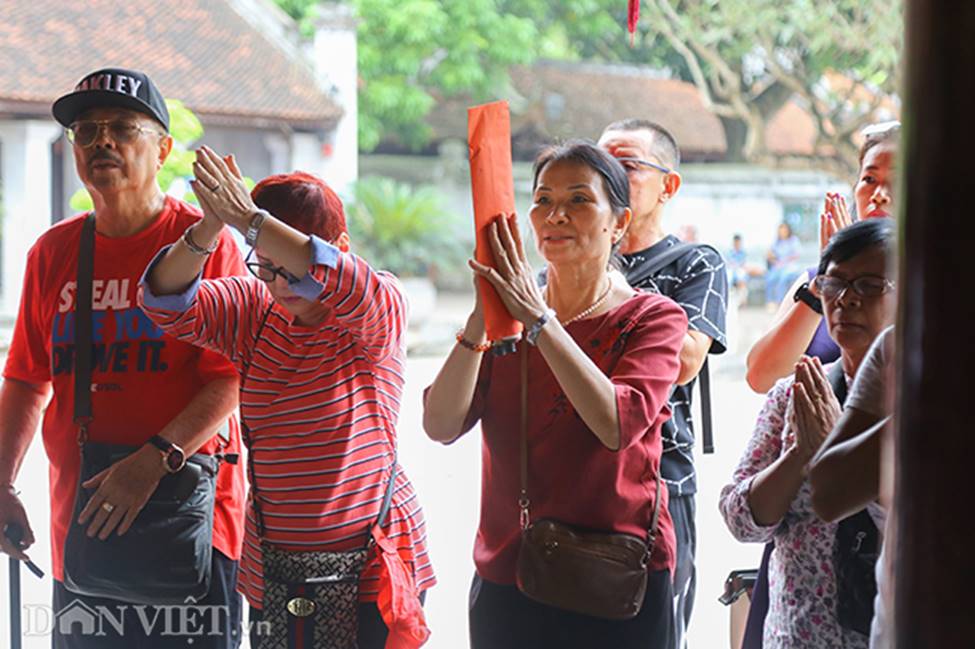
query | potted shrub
[404, 230]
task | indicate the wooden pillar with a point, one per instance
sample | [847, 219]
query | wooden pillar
[935, 555]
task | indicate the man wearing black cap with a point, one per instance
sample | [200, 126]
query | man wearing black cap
[159, 396]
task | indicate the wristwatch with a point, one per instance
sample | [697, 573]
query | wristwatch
[254, 228]
[803, 294]
[174, 458]
[531, 336]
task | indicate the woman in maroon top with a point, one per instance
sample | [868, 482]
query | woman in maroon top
[601, 361]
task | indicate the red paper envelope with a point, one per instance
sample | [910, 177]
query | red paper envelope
[493, 191]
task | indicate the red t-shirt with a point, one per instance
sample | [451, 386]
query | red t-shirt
[572, 477]
[141, 378]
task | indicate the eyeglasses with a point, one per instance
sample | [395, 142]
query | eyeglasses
[880, 130]
[85, 132]
[267, 272]
[634, 164]
[831, 288]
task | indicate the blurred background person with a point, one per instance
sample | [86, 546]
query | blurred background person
[782, 259]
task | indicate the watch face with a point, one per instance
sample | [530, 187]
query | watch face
[174, 460]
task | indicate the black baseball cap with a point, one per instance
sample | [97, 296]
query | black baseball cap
[113, 87]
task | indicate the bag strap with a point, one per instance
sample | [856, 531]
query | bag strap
[647, 271]
[384, 510]
[524, 504]
[837, 381]
[661, 261]
[707, 431]
[83, 329]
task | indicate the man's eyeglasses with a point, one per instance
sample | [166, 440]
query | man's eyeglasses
[634, 164]
[830, 288]
[267, 272]
[85, 132]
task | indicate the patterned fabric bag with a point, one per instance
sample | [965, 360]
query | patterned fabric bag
[311, 599]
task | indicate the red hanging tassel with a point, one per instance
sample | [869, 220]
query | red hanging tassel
[632, 18]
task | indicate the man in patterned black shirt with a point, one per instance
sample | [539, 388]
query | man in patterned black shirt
[696, 280]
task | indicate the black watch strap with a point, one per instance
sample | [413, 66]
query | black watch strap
[803, 294]
[161, 444]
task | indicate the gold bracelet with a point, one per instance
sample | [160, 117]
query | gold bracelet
[474, 347]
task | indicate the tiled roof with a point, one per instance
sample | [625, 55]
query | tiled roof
[203, 52]
[560, 100]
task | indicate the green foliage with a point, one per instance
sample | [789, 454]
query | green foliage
[81, 201]
[413, 52]
[747, 56]
[402, 229]
[186, 129]
[304, 13]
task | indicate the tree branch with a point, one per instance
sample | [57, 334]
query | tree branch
[693, 64]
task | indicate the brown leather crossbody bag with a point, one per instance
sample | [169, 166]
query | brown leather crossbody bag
[602, 574]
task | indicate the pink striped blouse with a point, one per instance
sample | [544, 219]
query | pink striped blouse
[321, 404]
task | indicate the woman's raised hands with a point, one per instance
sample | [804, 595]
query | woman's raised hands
[512, 277]
[816, 408]
[220, 188]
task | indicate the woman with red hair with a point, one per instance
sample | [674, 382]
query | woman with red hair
[335, 552]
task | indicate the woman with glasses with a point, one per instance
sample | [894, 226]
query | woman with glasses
[770, 497]
[318, 338]
[798, 327]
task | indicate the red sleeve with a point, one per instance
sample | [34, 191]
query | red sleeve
[224, 262]
[369, 302]
[29, 358]
[648, 368]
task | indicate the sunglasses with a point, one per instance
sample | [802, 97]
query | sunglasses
[85, 132]
[634, 164]
[880, 130]
[831, 288]
[267, 272]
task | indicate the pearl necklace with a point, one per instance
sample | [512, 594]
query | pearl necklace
[592, 307]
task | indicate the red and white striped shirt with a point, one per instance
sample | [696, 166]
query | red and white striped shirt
[321, 404]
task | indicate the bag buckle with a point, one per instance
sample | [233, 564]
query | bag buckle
[301, 607]
[83, 430]
[525, 517]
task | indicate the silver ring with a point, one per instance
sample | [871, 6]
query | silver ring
[214, 189]
[108, 507]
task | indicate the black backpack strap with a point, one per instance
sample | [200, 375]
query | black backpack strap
[83, 327]
[660, 262]
[707, 431]
[647, 271]
[837, 380]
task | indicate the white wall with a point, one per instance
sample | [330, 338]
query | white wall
[334, 53]
[26, 167]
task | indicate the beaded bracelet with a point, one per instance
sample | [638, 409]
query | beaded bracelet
[474, 347]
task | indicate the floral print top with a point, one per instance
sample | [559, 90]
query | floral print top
[802, 585]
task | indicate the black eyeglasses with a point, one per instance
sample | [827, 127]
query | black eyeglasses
[634, 164]
[267, 272]
[831, 288]
[85, 132]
